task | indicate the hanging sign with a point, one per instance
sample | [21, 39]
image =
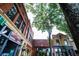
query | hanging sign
[14, 37]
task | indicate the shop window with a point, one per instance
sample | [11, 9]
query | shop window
[8, 30]
[9, 49]
[1, 27]
[2, 40]
[23, 26]
[5, 30]
[11, 13]
[18, 22]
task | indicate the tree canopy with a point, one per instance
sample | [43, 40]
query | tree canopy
[48, 15]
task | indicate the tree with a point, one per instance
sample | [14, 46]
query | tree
[47, 16]
[55, 13]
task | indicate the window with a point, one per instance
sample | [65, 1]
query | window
[65, 43]
[5, 30]
[18, 22]
[14, 10]
[28, 30]
[23, 26]
[30, 38]
[1, 27]
[2, 40]
[11, 13]
[9, 49]
[8, 30]
[60, 36]
[57, 42]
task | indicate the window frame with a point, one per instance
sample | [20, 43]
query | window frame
[11, 13]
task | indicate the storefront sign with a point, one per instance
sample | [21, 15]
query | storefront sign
[15, 38]
[2, 21]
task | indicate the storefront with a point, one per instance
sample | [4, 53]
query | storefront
[10, 49]
[9, 42]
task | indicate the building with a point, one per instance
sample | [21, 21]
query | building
[16, 35]
[41, 46]
[60, 45]
[15, 30]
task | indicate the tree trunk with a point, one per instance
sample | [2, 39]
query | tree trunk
[71, 12]
[50, 46]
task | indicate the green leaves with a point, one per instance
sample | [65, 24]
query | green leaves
[47, 15]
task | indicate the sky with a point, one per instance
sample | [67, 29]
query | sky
[40, 34]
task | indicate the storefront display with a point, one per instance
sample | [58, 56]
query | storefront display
[14, 37]
[9, 41]
[10, 48]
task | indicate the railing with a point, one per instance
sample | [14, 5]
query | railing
[59, 51]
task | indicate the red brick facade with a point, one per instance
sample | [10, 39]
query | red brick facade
[21, 12]
[40, 43]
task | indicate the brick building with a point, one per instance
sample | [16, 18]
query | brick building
[39, 44]
[15, 30]
[60, 45]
